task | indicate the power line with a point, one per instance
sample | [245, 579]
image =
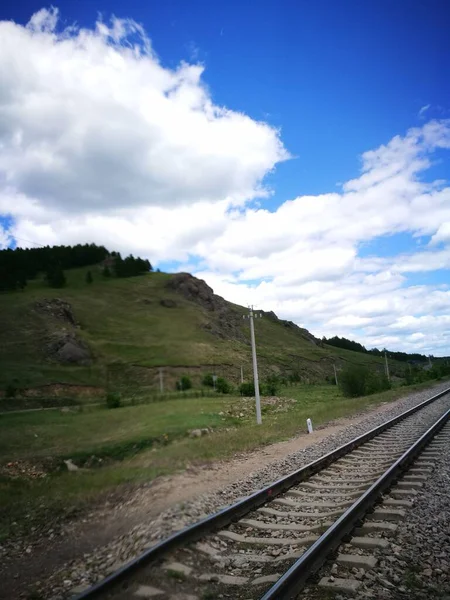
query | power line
[14, 237]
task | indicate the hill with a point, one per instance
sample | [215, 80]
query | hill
[124, 330]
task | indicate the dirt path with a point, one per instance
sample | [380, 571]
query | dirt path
[129, 507]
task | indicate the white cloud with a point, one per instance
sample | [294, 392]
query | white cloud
[90, 121]
[100, 142]
[423, 110]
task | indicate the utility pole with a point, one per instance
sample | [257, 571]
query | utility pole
[335, 375]
[161, 381]
[250, 316]
[386, 366]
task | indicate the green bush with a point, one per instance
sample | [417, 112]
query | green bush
[272, 385]
[295, 377]
[184, 383]
[208, 380]
[113, 400]
[360, 381]
[247, 388]
[222, 386]
[352, 381]
[10, 391]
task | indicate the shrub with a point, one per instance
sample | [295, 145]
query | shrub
[89, 278]
[352, 381]
[295, 377]
[208, 380]
[359, 381]
[222, 386]
[113, 400]
[272, 385]
[10, 391]
[55, 277]
[106, 271]
[247, 388]
[184, 383]
[377, 382]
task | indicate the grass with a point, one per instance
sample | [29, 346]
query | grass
[139, 443]
[124, 322]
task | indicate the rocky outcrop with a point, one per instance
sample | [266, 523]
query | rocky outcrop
[221, 321]
[61, 341]
[224, 323]
[303, 332]
[67, 348]
[196, 290]
[56, 308]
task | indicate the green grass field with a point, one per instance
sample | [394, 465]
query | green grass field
[138, 443]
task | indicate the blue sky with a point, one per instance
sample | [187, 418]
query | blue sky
[317, 85]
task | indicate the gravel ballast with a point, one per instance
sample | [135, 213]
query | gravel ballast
[90, 569]
[416, 566]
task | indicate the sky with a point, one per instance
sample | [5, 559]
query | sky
[294, 155]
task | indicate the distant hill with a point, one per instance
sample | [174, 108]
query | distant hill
[128, 328]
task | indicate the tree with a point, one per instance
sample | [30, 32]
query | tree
[106, 271]
[247, 389]
[55, 277]
[272, 385]
[89, 278]
[208, 380]
[184, 383]
[222, 386]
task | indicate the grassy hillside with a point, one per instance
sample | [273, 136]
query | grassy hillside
[130, 333]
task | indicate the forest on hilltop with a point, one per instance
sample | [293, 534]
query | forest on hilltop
[23, 264]
[346, 344]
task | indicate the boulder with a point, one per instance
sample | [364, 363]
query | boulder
[168, 303]
[72, 352]
[67, 348]
[195, 433]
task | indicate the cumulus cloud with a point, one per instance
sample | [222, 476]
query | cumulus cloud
[100, 142]
[90, 121]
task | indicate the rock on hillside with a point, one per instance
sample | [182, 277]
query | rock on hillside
[225, 323]
[61, 343]
[196, 290]
[221, 321]
[56, 308]
[291, 325]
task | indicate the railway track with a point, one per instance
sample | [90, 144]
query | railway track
[270, 544]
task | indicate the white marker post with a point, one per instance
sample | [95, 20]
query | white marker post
[309, 425]
[255, 364]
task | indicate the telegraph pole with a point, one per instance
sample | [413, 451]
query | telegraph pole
[386, 366]
[250, 316]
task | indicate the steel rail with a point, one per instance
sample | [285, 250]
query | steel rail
[294, 580]
[239, 509]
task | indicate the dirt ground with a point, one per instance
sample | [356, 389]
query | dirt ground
[129, 507]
